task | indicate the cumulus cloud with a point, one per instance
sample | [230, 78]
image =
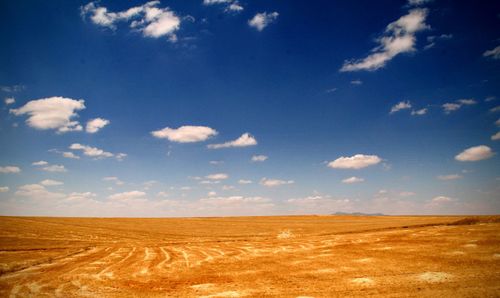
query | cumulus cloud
[357, 161]
[419, 112]
[418, 2]
[10, 169]
[259, 158]
[449, 177]
[37, 192]
[244, 181]
[262, 20]
[496, 136]
[55, 169]
[453, 106]
[185, 134]
[495, 109]
[13, 88]
[96, 152]
[50, 182]
[356, 82]
[352, 180]
[493, 53]
[231, 5]
[149, 19]
[70, 155]
[234, 7]
[39, 163]
[407, 193]
[94, 125]
[402, 105]
[475, 153]
[218, 176]
[320, 204]
[113, 179]
[129, 196]
[52, 113]
[243, 141]
[10, 100]
[274, 182]
[442, 199]
[433, 39]
[399, 37]
[4, 188]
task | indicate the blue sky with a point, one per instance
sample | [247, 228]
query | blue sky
[225, 107]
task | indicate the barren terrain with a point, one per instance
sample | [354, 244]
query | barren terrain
[296, 256]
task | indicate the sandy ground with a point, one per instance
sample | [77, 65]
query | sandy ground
[297, 256]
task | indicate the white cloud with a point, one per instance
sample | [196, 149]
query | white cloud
[259, 158]
[70, 155]
[496, 136]
[149, 19]
[262, 20]
[243, 141]
[52, 113]
[418, 2]
[449, 177]
[403, 105]
[128, 197]
[468, 101]
[113, 179]
[4, 189]
[212, 193]
[407, 193]
[216, 162]
[185, 134]
[442, 199]
[55, 169]
[39, 163]
[453, 106]
[357, 161]
[419, 112]
[435, 38]
[10, 169]
[495, 109]
[475, 153]
[231, 5]
[320, 204]
[10, 100]
[218, 176]
[497, 123]
[120, 156]
[50, 182]
[399, 38]
[13, 88]
[352, 180]
[356, 82]
[490, 98]
[235, 7]
[94, 125]
[493, 53]
[243, 181]
[91, 151]
[37, 192]
[274, 182]
[212, 2]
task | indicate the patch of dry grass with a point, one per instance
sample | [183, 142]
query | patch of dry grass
[309, 256]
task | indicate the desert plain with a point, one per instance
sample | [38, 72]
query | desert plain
[281, 256]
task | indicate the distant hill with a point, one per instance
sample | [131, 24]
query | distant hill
[358, 214]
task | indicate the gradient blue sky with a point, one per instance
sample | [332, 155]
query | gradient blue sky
[411, 89]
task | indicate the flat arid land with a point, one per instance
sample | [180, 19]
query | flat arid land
[294, 256]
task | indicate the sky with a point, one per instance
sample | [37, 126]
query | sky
[233, 107]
